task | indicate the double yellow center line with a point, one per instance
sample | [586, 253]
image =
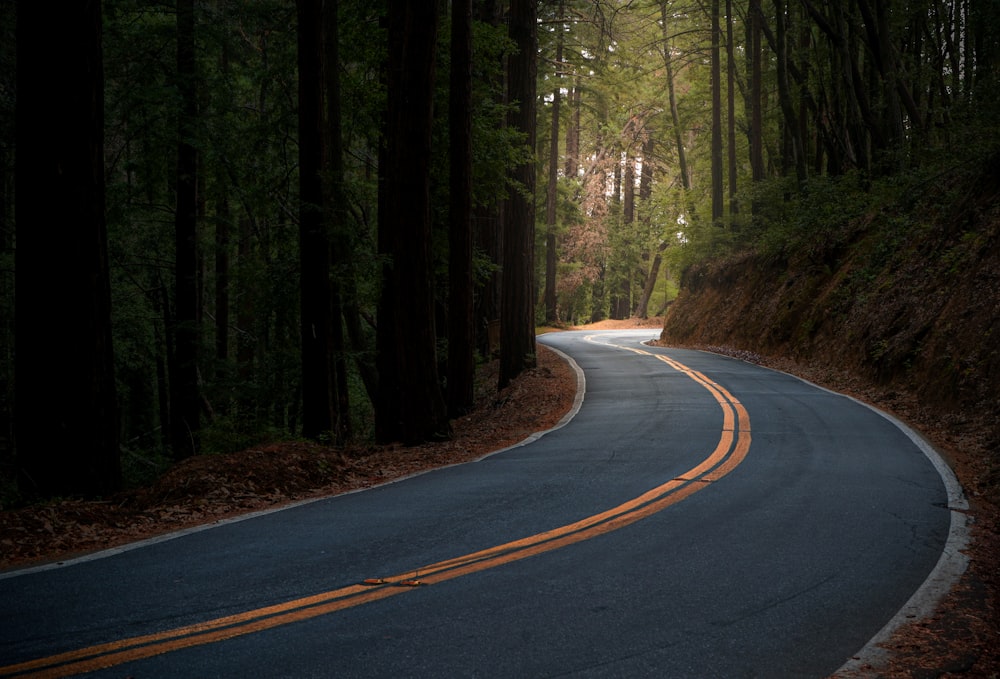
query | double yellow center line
[734, 442]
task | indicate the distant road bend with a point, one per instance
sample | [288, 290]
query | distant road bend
[698, 517]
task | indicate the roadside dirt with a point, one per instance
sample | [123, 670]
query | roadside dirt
[959, 641]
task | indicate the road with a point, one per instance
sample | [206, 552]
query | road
[698, 517]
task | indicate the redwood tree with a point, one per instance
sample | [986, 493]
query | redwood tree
[517, 312]
[551, 197]
[185, 400]
[335, 200]
[67, 433]
[461, 338]
[409, 404]
[314, 249]
[717, 187]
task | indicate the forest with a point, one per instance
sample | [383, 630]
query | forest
[227, 221]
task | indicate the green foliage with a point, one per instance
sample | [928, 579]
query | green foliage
[141, 466]
[813, 219]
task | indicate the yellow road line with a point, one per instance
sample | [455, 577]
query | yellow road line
[734, 443]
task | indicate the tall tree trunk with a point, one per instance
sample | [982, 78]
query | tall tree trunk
[246, 313]
[675, 118]
[223, 216]
[335, 210]
[645, 195]
[488, 222]
[66, 417]
[794, 154]
[756, 129]
[551, 197]
[731, 110]
[628, 227]
[855, 127]
[186, 409]
[618, 268]
[161, 304]
[410, 406]
[642, 310]
[517, 317]
[314, 247]
[223, 249]
[461, 336]
[718, 190]
[573, 134]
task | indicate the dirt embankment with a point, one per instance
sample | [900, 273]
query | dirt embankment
[900, 309]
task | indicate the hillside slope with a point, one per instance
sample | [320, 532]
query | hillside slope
[901, 308]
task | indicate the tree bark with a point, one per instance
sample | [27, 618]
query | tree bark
[335, 211]
[461, 336]
[410, 406]
[645, 195]
[185, 397]
[246, 312]
[642, 310]
[794, 153]
[675, 118]
[629, 241]
[718, 203]
[314, 246]
[551, 197]
[66, 414]
[488, 222]
[223, 250]
[756, 130]
[731, 111]
[573, 134]
[517, 322]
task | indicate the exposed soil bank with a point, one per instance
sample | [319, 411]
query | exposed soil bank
[900, 309]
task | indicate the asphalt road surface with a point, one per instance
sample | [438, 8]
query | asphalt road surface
[698, 517]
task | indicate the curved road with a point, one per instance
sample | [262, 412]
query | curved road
[698, 517]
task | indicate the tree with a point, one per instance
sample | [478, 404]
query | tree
[755, 130]
[645, 194]
[410, 406]
[675, 118]
[517, 317]
[717, 170]
[731, 109]
[314, 246]
[185, 397]
[551, 195]
[461, 337]
[792, 143]
[336, 211]
[66, 410]
[489, 81]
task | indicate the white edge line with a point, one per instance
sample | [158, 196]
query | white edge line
[950, 566]
[581, 388]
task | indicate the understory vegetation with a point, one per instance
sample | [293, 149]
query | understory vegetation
[896, 284]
